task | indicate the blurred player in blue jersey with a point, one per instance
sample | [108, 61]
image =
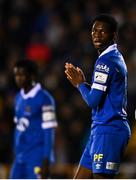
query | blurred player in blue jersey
[35, 125]
[107, 96]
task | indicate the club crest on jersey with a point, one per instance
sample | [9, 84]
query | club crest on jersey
[102, 67]
[27, 110]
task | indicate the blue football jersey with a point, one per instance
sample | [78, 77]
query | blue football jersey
[108, 93]
[34, 115]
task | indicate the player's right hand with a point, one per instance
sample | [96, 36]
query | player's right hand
[74, 74]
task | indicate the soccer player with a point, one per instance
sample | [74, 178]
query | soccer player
[35, 124]
[107, 96]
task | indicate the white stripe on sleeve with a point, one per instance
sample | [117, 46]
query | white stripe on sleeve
[50, 124]
[48, 108]
[99, 87]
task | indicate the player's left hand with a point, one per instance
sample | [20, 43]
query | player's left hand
[74, 74]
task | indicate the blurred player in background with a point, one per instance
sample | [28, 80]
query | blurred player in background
[35, 125]
[107, 96]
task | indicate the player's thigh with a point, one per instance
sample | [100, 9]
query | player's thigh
[103, 176]
[84, 169]
[17, 171]
[107, 152]
[83, 173]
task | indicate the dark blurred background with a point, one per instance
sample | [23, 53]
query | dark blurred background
[52, 32]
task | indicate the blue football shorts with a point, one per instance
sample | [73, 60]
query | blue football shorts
[103, 152]
[25, 170]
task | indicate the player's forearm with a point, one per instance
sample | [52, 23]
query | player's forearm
[48, 146]
[49, 142]
[92, 97]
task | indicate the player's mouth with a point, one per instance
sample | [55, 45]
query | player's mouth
[97, 43]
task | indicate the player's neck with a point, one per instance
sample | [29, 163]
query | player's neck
[28, 88]
[105, 47]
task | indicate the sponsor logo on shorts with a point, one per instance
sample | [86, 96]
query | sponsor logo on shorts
[112, 166]
[98, 166]
[98, 157]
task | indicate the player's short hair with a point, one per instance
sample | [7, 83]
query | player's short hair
[111, 21]
[29, 65]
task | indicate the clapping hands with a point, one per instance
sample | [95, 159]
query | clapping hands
[74, 74]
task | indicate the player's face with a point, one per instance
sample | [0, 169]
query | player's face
[101, 35]
[21, 77]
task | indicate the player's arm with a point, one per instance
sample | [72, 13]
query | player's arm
[49, 136]
[77, 79]
[100, 82]
[92, 97]
[49, 124]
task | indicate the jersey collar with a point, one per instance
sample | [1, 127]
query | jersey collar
[110, 48]
[32, 92]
